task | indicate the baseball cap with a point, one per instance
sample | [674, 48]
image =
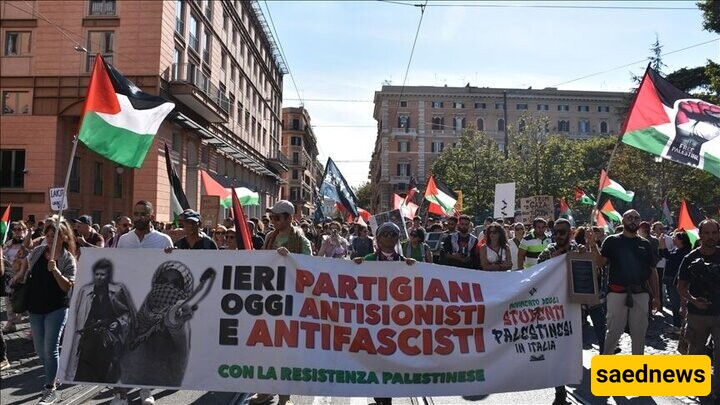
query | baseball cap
[84, 219]
[283, 207]
[190, 215]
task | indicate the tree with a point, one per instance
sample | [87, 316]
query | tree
[474, 166]
[364, 195]
[656, 58]
[711, 15]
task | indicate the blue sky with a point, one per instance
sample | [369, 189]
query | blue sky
[345, 50]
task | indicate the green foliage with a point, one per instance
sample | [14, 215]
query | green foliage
[364, 195]
[711, 15]
[688, 80]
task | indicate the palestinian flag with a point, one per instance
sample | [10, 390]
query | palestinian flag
[667, 217]
[611, 187]
[5, 224]
[119, 120]
[412, 186]
[178, 200]
[583, 198]
[685, 223]
[245, 196]
[601, 222]
[565, 212]
[242, 232]
[609, 210]
[408, 210]
[440, 194]
[670, 123]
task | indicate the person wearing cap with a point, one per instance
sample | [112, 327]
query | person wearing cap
[285, 238]
[416, 247]
[193, 239]
[218, 236]
[86, 236]
[387, 237]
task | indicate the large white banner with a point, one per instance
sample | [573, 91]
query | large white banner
[504, 200]
[258, 322]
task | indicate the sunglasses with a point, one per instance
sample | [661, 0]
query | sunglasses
[389, 234]
[633, 218]
[141, 214]
[275, 217]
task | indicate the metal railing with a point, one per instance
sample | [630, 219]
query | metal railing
[192, 74]
[102, 7]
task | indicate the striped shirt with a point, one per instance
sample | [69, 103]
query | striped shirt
[533, 247]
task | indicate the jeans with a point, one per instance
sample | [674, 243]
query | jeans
[46, 330]
[597, 314]
[699, 327]
[619, 315]
[674, 298]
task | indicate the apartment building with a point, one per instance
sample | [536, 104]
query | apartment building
[415, 124]
[304, 171]
[216, 60]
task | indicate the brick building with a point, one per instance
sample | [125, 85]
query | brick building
[304, 171]
[414, 127]
[216, 60]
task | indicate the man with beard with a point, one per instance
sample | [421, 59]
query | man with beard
[103, 311]
[86, 235]
[633, 282]
[699, 285]
[123, 226]
[159, 343]
[458, 248]
[143, 236]
[194, 238]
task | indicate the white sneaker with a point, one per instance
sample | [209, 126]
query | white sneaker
[260, 398]
[119, 399]
[146, 398]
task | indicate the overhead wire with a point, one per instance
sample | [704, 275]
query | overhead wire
[412, 50]
[282, 52]
[549, 6]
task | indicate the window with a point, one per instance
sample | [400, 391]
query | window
[603, 127]
[176, 142]
[209, 10]
[296, 124]
[543, 107]
[179, 18]
[458, 105]
[118, 185]
[296, 140]
[205, 152]
[458, 123]
[499, 105]
[583, 108]
[404, 122]
[247, 120]
[583, 126]
[226, 19]
[436, 147]
[295, 174]
[234, 36]
[208, 48]
[231, 102]
[564, 126]
[232, 72]
[602, 108]
[521, 106]
[98, 179]
[194, 34]
[296, 158]
[438, 123]
[480, 124]
[16, 102]
[501, 124]
[480, 106]
[101, 42]
[563, 107]
[403, 169]
[521, 126]
[74, 183]
[437, 104]
[403, 104]
[102, 7]
[223, 60]
[17, 43]
[403, 146]
[97, 216]
[12, 163]
[294, 193]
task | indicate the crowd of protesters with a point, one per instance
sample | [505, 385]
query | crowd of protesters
[636, 260]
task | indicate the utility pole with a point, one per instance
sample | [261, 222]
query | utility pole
[505, 119]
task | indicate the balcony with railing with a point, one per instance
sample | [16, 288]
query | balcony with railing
[278, 161]
[190, 85]
[102, 8]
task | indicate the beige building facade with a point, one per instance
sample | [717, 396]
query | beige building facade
[300, 146]
[415, 124]
[216, 60]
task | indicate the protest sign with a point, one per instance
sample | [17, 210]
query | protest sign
[209, 209]
[395, 216]
[504, 200]
[242, 321]
[537, 206]
[58, 199]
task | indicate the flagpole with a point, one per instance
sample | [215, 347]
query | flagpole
[65, 187]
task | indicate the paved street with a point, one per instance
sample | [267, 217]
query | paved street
[21, 383]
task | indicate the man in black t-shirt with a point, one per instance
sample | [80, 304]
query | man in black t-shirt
[458, 248]
[699, 284]
[633, 282]
[193, 239]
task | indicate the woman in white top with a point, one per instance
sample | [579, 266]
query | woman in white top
[495, 255]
